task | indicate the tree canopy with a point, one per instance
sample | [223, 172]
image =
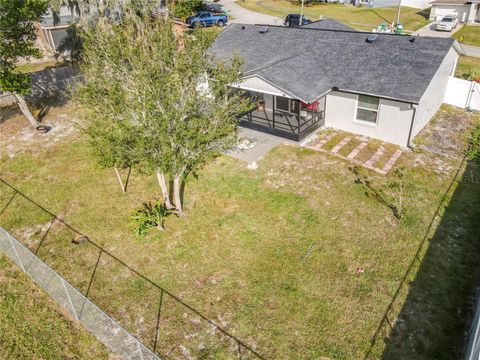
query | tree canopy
[17, 36]
[157, 97]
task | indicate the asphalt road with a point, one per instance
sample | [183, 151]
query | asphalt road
[429, 30]
[245, 16]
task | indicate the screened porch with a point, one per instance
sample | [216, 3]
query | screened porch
[281, 116]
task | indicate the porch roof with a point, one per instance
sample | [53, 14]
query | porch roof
[308, 62]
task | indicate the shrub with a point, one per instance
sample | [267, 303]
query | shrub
[150, 217]
[472, 75]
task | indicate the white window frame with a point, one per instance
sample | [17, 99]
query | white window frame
[362, 122]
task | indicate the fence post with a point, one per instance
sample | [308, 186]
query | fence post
[93, 274]
[158, 321]
[8, 203]
[45, 235]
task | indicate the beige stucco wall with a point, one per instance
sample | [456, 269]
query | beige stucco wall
[434, 96]
[393, 122]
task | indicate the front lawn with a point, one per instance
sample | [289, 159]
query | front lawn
[469, 35]
[292, 257]
[467, 64]
[361, 18]
[32, 326]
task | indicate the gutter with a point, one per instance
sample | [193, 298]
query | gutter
[375, 95]
[414, 107]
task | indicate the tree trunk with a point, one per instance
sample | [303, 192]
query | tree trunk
[163, 185]
[22, 104]
[177, 184]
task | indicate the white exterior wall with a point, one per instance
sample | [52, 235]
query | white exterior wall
[434, 96]
[417, 4]
[393, 121]
[464, 13]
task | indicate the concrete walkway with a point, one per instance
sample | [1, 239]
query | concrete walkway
[245, 16]
[262, 144]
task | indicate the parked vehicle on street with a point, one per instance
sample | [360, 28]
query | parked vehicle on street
[206, 19]
[293, 20]
[448, 23]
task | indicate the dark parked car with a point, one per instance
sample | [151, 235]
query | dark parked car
[293, 20]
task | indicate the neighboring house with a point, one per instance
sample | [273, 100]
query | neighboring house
[418, 4]
[466, 10]
[52, 30]
[305, 78]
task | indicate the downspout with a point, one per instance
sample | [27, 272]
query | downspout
[414, 107]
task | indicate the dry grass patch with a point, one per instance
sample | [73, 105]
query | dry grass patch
[350, 146]
[272, 254]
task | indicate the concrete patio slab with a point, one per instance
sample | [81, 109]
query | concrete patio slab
[263, 143]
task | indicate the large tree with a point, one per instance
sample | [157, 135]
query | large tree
[166, 88]
[17, 36]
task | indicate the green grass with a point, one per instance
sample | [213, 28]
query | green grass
[361, 18]
[33, 327]
[38, 66]
[467, 64]
[469, 35]
[270, 254]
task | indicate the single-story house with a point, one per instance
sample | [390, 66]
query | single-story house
[467, 11]
[418, 4]
[383, 86]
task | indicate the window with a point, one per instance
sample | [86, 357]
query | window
[282, 103]
[367, 109]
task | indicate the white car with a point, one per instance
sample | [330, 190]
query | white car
[448, 23]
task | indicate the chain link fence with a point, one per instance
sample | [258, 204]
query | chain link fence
[129, 313]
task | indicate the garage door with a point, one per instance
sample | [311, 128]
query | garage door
[460, 10]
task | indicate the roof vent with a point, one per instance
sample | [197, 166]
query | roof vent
[243, 27]
[263, 30]
[371, 38]
[412, 39]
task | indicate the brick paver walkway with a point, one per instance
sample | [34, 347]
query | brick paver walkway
[341, 144]
[357, 149]
[369, 164]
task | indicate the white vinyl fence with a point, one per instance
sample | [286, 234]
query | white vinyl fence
[473, 344]
[463, 93]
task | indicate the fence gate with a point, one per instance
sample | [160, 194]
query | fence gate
[463, 93]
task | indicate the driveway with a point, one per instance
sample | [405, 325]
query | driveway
[245, 16]
[429, 30]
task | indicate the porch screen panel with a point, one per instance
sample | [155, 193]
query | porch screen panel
[282, 103]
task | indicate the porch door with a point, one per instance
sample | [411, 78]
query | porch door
[286, 112]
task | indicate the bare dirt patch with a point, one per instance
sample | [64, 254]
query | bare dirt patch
[441, 143]
[17, 136]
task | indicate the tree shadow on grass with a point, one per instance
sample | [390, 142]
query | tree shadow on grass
[440, 300]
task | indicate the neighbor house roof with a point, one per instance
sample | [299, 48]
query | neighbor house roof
[306, 63]
[328, 24]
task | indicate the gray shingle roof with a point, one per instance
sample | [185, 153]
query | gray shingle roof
[328, 24]
[306, 63]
